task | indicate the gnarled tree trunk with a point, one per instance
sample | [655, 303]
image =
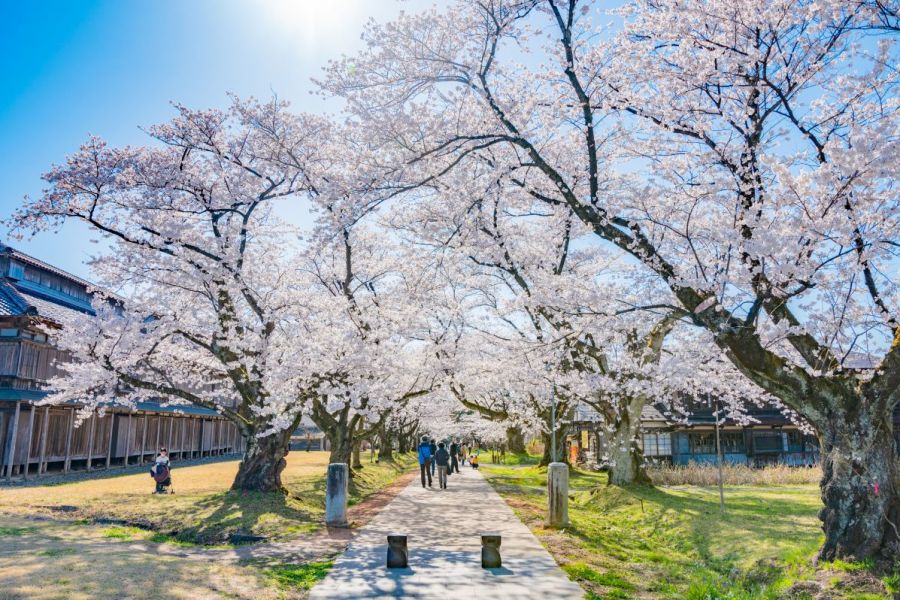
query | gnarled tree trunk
[561, 454]
[515, 440]
[262, 463]
[621, 448]
[385, 444]
[860, 484]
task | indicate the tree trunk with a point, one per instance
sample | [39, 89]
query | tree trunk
[357, 460]
[385, 445]
[561, 455]
[262, 463]
[860, 485]
[341, 442]
[515, 440]
[621, 448]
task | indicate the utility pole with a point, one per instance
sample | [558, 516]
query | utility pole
[553, 423]
[719, 461]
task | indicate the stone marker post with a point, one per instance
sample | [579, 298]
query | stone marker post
[336, 495]
[558, 494]
[490, 551]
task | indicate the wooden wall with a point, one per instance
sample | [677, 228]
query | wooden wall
[49, 436]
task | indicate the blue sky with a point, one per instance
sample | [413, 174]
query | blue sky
[72, 68]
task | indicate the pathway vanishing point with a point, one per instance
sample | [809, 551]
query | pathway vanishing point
[444, 535]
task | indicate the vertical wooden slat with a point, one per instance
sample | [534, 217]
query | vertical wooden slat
[69, 429]
[169, 437]
[45, 429]
[127, 441]
[193, 435]
[28, 441]
[182, 439]
[90, 455]
[11, 443]
[158, 430]
[109, 446]
[144, 438]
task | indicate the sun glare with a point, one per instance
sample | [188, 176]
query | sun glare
[311, 21]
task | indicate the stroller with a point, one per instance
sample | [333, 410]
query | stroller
[162, 475]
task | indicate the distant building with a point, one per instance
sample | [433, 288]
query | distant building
[34, 440]
[770, 439]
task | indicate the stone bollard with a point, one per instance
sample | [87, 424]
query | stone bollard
[397, 554]
[336, 495]
[558, 494]
[490, 551]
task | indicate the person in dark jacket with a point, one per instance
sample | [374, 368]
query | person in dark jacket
[425, 462]
[434, 448]
[442, 458]
[454, 457]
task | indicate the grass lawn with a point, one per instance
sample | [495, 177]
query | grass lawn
[673, 542]
[112, 538]
[203, 510]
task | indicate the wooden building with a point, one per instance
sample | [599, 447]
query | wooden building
[770, 439]
[35, 440]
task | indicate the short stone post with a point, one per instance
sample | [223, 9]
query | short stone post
[558, 494]
[490, 551]
[336, 495]
[397, 554]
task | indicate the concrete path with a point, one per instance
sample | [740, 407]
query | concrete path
[444, 528]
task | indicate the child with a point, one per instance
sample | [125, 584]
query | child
[474, 460]
[161, 472]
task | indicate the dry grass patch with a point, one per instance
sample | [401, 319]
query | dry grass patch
[706, 475]
[203, 509]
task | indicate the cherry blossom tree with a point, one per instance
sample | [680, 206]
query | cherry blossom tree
[216, 315]
[744, 154]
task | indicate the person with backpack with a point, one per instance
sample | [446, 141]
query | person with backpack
[425, 460]
[442, 458]
[161, 471]
[433, 448]
[454, 457]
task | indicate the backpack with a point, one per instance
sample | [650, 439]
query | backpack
[162, 473]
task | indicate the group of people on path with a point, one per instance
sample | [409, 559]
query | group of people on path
[436, 457]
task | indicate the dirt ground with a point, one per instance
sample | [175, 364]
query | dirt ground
[47, 553]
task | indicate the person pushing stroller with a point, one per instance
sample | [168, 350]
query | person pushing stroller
[161, 471]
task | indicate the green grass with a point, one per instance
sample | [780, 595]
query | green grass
[15, 531]
[298, 577]
[122, 533]
[57, 552]
[674, 542]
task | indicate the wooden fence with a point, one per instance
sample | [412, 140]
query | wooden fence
[35, 440]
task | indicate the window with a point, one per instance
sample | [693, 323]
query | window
[702, 443]
[9, 332]
[768, 441]
[732, 442]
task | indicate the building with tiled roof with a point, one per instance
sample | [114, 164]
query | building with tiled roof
[34, 439]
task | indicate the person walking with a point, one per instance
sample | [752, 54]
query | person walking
[433, 447]
[442, 458]
[425, 460]
[454, 457]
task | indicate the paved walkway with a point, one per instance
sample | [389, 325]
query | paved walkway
[444, 528]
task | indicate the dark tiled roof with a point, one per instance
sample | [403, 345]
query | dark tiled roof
[48, 309]
[12, 304]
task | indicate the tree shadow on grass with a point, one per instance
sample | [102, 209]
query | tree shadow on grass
[224, 517]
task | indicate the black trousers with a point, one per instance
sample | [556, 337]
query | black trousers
[454, 464]
[425, 469]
